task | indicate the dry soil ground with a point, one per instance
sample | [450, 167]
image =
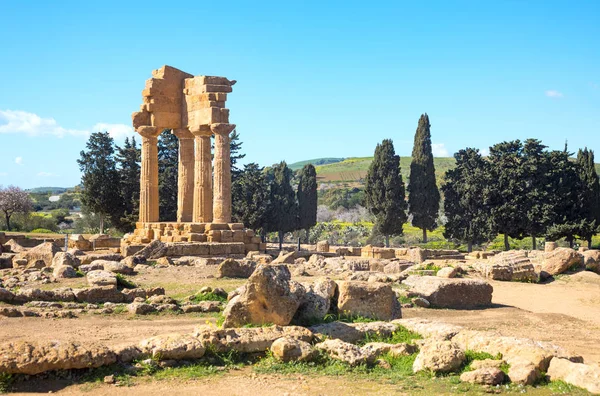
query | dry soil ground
[565, 312]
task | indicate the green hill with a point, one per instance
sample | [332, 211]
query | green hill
[315, 162]
[353, 170]
[46, 190]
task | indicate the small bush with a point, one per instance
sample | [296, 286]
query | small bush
[42, 231]
[207, 297]
[124, 283]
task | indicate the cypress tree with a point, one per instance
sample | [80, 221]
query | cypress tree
[535, 164]
[423, 194]
[567, 198]
[384, 191]
[283, 208]
[250, 194]
[590, 195]
[128, 160]
[466, 199]
[235, 146]
[99, 179]
[507, 196]
[307, 198]
[168, 164]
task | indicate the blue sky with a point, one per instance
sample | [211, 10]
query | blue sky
[315, 79]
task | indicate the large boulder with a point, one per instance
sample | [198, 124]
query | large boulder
[513, 350]
[41, 253]
[451, 293]
[270, 296]
[65, 258]
[483, 376]
[173, 347]
[101, 294]
[439, 356]
[154, 250]
[113, 266]
[582, 375]
[288, 349]
[508, 266]
[64, 271]
[346, 352]
[372, 300]
[285, 258]
[559, 260]
[31, 357]
[248, 340]
[317, 302]
[101, 278]
[6, 260]
[591, 260]
[231, 268]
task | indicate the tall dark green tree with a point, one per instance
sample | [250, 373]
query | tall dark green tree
[128, 160]
[100, 179]
[235, 146]
[466, 199]
[250, 195]
[307, 198]
[168, 164]
[384, 191]
[567, 198]
[282, 209]
[590, 195]
[535, 165]
[508, 198]
[423, 194]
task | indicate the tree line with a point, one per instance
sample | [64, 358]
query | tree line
[520, 190]
[272, 199]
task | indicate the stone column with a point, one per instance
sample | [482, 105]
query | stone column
[149, 175]
[203, 208]
[185, 176]
[222, 175]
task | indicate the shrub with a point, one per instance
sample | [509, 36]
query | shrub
[42, 231]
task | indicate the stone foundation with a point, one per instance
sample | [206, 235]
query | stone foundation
[210, 238]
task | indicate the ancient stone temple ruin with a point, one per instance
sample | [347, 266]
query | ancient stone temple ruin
[193, 108]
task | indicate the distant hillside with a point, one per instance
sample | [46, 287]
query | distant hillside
[315, 162]
[355, 169]
[46, 190]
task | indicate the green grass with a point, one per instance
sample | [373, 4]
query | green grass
[207, 297]
[5, 382]
[401, 335]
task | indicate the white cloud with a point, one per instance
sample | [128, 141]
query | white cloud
[46, 174]
[485, 152]
[116, 131]
[554, 94]
[19, 160]
[439, 150]
[17, 121]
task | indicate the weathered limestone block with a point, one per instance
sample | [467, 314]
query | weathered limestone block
[268, 297]
[451, 293]
[439, 356]
[578, 374]
[173, 346]
[248, 340]
[288, 349]
[373, 300]
[30, 357]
